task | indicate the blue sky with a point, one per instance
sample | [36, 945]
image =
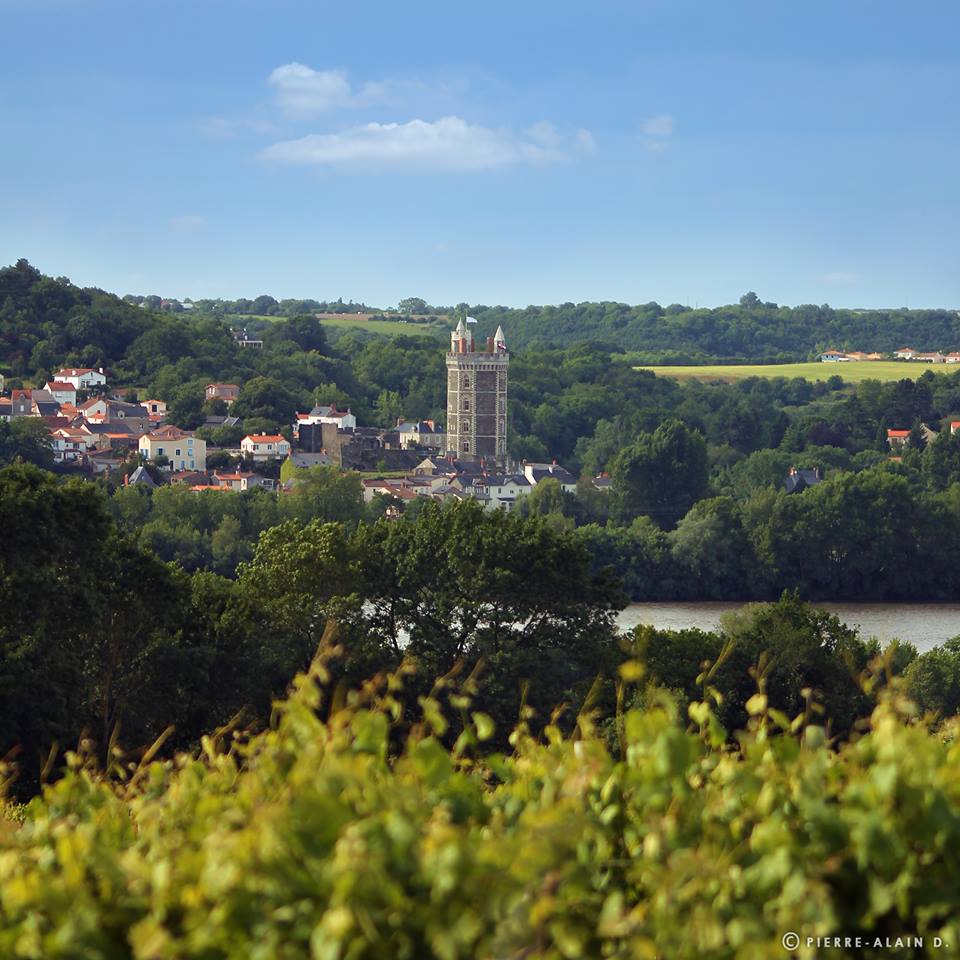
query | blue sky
[514, 153]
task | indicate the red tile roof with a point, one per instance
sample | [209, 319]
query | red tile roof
[265, 438]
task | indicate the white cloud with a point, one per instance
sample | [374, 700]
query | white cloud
[656, 132]
[841, 276]
[586, 141]
[660, 128]
[545, 133]
[447, 144]
[302, 90]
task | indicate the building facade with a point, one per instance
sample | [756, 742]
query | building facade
[477, 397]
[182, 450]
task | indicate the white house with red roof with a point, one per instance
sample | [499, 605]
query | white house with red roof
[70, 444]
[62, 391]
[265, 446]
[329, 413]
[82, 378]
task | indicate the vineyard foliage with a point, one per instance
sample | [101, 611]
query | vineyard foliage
[346, 831]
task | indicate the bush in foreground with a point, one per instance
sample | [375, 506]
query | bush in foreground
[312, 840]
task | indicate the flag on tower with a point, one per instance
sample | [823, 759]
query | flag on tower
[472, 320]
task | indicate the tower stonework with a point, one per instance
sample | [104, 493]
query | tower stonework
[477, 397]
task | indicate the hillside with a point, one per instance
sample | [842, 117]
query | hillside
[750, 329]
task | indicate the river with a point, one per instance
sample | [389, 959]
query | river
[925, 625]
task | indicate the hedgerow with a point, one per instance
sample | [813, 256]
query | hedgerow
[321, 838]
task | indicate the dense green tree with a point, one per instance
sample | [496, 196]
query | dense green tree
[26, 439]
[660, 475]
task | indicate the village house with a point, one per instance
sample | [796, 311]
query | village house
[227, 392]
[71, 444]
[6, 409]
[265, 446]
[182, 449]
[140, 478]
[62, 391]
[535, 472]
[421, 433]
[241, 481]
[401, 488]
[833, 356]
[21, 403]
[905, 353]
[496, 490]
[155, 408]
[343, 419]
[798, 480]
[899, 438]
[106, 410]
[241, 339]
[82, 378]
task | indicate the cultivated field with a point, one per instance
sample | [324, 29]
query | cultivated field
[852, 372]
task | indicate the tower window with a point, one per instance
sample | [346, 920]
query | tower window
[466, 404]
[466, 446]
[466, 381]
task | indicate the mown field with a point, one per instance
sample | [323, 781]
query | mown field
[361, 321]
[853, 372]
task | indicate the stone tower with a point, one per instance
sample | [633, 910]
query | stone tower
[477, 397]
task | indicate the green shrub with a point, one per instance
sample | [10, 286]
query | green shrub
[313, 840]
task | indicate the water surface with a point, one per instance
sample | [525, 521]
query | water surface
[925, 625]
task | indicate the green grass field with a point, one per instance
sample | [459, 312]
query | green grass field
[360, 322]
[853, 372]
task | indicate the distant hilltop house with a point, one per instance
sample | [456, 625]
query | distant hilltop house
[227, 392]
[799, 479]
[81, 378]
[898, 438]
[838, 356]
[242, 340]
[265, 446]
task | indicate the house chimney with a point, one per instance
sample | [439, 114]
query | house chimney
[489, 344]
